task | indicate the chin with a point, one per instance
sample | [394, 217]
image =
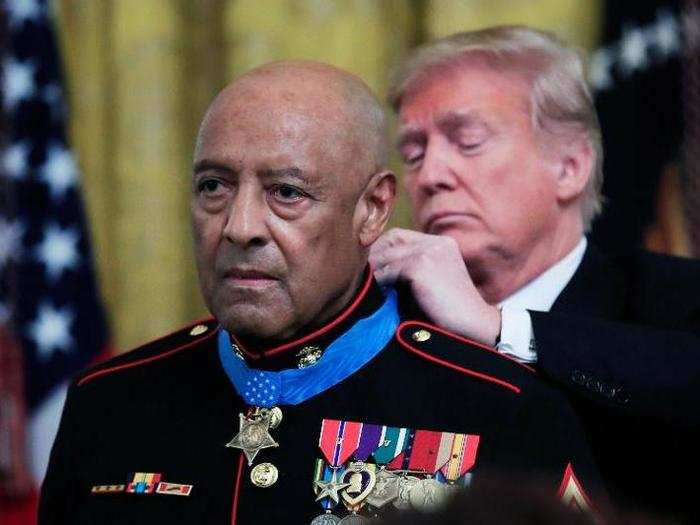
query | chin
[252, 320]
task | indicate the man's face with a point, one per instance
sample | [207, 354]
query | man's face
[474, 169]
[272, 213]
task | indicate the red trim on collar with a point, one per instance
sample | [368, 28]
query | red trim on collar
[447, 364]
[324, 329]
[106, 371]
[467, 341]
[237, 490]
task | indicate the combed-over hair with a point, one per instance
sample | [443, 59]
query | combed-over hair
[560, 99]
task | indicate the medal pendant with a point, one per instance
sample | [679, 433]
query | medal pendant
[253, 435]
[428, 495]
[385, 490]
[325, 519]
[406, 484]
[329, 489]
[361, 478]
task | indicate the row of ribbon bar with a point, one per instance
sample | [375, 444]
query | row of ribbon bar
[398, 448]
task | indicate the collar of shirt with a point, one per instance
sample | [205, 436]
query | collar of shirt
[540, 293]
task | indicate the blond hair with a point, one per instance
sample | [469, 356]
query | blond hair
[560, 99]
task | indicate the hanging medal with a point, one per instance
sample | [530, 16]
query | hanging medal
[361, 475]
[338, 441]
[254, 432]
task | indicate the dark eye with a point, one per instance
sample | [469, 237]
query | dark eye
[286, 193]
[208, 186]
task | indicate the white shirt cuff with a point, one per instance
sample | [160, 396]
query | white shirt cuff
[516, 334]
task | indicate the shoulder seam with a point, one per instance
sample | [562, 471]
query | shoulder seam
[470, 342]
[105, 371]
[466, 371]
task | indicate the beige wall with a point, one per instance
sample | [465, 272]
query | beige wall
[141, 72]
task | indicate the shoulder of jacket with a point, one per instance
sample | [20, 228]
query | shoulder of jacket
[185, 338]
[470, 358]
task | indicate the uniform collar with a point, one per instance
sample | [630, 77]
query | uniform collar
[288, 354]
[344, 356]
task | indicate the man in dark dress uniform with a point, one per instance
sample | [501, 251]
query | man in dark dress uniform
[308, 399]
[502, 153]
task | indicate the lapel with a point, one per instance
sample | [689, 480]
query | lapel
[597, 289]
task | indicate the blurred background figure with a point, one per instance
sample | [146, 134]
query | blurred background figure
[137, 76]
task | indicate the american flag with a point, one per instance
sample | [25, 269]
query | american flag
[49, 301]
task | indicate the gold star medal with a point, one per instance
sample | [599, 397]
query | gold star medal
[253, 435]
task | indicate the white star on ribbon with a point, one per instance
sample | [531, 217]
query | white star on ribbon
[21, 10]
[58, 250]
[599, 69]
[665, 33]
[15, 160]
[18, 82]
[51, 330]
[59, 170]
[11, 233]
[633, 51]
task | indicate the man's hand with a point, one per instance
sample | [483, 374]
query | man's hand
[439, 280]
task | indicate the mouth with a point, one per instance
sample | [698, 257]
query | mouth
[438, 221]
[248, 277]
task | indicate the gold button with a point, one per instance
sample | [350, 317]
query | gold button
[264, 475]
[421, 335]
[198, 330]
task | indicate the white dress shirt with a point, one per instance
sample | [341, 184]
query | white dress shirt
[539, 294]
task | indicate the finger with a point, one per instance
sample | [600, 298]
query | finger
[388, 274]
[390, 255]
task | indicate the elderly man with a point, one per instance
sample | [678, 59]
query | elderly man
[503, 164]
[304, 401]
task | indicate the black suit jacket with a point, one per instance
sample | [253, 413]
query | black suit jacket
[169, 408]
[623, 338]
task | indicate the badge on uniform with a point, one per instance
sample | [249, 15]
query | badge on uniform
[145, 483]
[366, 467]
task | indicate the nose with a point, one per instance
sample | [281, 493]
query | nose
[246, 225]
[436, 172]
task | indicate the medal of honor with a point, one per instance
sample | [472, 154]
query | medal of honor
[253, 435]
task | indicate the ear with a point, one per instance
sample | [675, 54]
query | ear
[576, 163]
[374, 207]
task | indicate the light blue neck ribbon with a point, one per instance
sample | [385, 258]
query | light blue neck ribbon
[343, 357]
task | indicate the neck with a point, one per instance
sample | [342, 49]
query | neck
[361, 300]
[500, 277]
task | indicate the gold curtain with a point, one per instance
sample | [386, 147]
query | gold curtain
[140, 73]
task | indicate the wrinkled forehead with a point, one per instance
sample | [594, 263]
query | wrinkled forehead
[310, 127]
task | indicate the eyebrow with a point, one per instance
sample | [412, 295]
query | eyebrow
[208, 164]
[451, 122]
[409, 136]
[291, 171]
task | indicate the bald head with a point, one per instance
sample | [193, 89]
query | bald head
[350, 120]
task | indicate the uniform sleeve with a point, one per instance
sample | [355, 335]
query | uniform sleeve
[647, 371]
[57, 499]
